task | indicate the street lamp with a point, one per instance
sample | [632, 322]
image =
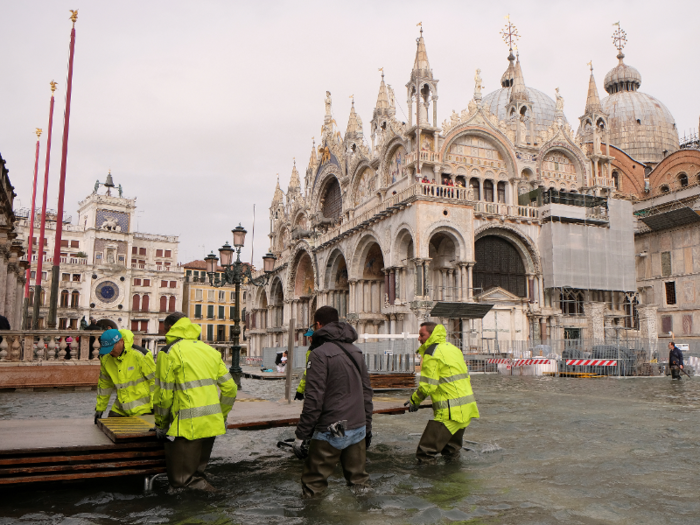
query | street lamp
[234, 273]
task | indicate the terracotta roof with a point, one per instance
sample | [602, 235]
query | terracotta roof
[202, 265]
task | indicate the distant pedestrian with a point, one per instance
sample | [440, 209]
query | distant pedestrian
[675, 360]
[336, 422]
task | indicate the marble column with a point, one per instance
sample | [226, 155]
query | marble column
[11, 291]
[4, 252]
[470, 281]
[392, 286]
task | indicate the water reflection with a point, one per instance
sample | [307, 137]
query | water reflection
[574, 450]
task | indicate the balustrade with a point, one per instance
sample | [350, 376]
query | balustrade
[48, 345]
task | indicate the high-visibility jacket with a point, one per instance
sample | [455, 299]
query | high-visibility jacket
[186, 400]
[132, 375]
[302, 384]
[444, 377]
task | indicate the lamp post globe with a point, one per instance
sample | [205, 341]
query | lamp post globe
[226, 253]
[211, 261]
[239, 236]
[269, 262]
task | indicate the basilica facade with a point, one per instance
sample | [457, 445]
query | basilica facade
[503, 203]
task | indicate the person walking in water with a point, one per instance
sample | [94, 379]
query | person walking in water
[443, 377]
[675, 360]
[336, 421]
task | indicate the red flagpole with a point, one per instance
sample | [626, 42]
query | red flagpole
[42, 230]
[62, 184]
[31, 233]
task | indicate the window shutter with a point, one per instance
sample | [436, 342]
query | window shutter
[134, 326]
[134, 250]
[168, 253]
[173, 284]
[171, 304]
[163, 303]
[147, 282]
[159, 253]
[136, 303]
[145, 303]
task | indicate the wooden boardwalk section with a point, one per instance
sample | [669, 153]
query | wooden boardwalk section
[50, 450]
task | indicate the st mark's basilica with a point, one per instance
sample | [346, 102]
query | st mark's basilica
[504, 203]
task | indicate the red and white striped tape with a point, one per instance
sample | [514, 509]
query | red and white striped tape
[591, 362]
[525, 362]
[499, 361]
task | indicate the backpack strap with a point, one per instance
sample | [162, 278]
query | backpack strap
[349, 357]
[140, 349]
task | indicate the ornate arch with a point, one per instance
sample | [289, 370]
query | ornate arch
[525, 246]
[447, 228]
[328, 171]
[356, 266]
[301, 246]
[499, 140]
[399, 243]
[332, 266]
[568, 150]
[387, 151]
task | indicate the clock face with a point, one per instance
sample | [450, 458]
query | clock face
[107, 291]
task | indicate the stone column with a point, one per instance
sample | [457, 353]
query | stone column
[352, 296]
[4, 256]
[392, 286]
[19, 307]
[459, 282]
[648, 329]
[470, 281]
[595, 318]
[11, 291]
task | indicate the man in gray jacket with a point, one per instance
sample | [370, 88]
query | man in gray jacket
[337, 414]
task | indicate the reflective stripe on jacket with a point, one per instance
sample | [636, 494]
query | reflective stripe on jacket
[189, 375]
[132, 375]
[444, 377]
[302, 384]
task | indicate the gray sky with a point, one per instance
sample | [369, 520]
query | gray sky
[196, 106]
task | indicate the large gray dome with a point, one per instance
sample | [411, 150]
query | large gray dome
[640, 125]
[543, 106]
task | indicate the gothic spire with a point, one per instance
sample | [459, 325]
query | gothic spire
[421, 65]
[519, 91]
[279, 195]
[592, 100]
[294, 181]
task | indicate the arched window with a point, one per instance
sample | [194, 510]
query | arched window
[683, 180]
[332, 200]
[498, 263]
[474, 185]
[488, 191]
[136, 303]
[616, 180]
[502, 192]
[163, 303]
[31, 296]
[64, 299]
[145, 303]
[171, 304]
[75, 299]
[665, 189]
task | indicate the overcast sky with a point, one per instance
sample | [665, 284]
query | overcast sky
[196, 106]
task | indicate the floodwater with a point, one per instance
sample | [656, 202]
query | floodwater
[575, 451]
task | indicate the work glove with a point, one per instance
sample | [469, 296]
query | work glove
[301, 448]
[98, 415]
[411, 406]
[161, 434]
[298, 396]
[368, 439]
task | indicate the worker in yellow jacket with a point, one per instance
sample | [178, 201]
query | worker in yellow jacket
[444, 377]
[301, 389]
[189, 410]
[128, 370]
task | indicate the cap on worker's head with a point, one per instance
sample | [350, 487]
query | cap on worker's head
[309, 332]
[108, 339]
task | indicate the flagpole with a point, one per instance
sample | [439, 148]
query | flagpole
[25, 315]
[42, 230]
[55, 270]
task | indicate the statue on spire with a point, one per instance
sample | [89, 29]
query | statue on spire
[478, 85]
[329, 102]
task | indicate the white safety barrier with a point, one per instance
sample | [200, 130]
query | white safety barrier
[591, 362]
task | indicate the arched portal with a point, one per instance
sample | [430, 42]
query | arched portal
[498, 263]
[371, 284]
[332, 205]
[442, 250]
[337, 284]
[277, 302]
[304, 293]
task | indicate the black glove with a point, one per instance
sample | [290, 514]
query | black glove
[161, 434]
[301, 448]
[298, 396]
[98, 415]
[368, 439]
[411, 406]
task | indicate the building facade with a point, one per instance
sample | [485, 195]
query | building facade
[122, 278]
[502, 203]
[12, 268]
[210, 307]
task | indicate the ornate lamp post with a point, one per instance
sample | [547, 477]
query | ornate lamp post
[235, 273]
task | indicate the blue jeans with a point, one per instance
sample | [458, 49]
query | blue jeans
[341, 443]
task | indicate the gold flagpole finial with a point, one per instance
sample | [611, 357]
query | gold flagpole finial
[419, 24]
[507, 17]
[590, 64]
[617, 23]
[73, 16]
[38, 132]
[53, 87]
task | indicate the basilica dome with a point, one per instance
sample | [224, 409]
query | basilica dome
[639, 124]
[542, 106]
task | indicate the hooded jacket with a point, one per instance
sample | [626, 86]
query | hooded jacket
[186, 399]
[131, 375]
[335, 390]
[444, 377]
[675, 356]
